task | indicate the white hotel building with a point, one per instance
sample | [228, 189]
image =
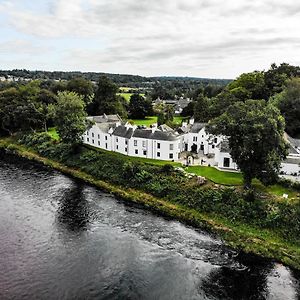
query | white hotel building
[109, 132]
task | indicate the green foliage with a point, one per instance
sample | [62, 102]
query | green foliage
[201, 109]
[82, 87]
[139, 107]
[70, 117]
[255, 131]
[288, 101]
[106, 100]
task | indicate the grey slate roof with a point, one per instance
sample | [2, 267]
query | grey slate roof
[123, 131]
[106, 118]
[165, 127]
[196, 127]
[104, 127]
[156, 135]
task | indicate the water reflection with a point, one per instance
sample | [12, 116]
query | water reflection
[228, 283]
[73, 211]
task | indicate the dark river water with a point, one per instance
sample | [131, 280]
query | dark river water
[62, 239]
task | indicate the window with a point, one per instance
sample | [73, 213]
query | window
[117, 140]
[135, 143]
[105, 145]
[144, 143]
[106, 137]
[171, 155]
[194, 139]
[145, 152]
[98, 143]
[158, 154]
[215, 140]
[87, 133]
[126, 149]
[98, 136]
[213, 146]
[117, 147]
[226, 162]
[93, 141]
[136, 151]
[87, 139]
[158, 145]
[171, 146]
[93, 134]
[126, 142]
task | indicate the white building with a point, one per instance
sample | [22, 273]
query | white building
[110, 134]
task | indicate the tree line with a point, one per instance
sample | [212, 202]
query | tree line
[253, 111]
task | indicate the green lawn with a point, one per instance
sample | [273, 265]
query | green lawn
[236, 179]
[153, 119]
[53, 133]
[219, 177]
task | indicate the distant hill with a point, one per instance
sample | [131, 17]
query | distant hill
[120, 79]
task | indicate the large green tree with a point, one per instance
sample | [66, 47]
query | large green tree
[201, 109]
[82, 87]
[105, 99]
[288, 101]
[255, 132]
[139, 107]
[70, 117]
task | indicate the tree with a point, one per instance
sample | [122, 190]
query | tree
[276, 77]
[255, 133]
[82, 87]
[253, 82]
[188, 111]
[70, 117]
[166, 115]
[288, 102]
[139, 107]
[201, 109]
[105, 99]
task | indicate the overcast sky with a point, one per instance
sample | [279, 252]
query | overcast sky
[203, 38]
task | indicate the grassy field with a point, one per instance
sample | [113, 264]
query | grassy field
[127, 96]
[153, 119]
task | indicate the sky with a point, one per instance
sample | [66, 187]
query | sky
[200, 38]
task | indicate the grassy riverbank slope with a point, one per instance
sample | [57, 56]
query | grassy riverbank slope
[260, 225]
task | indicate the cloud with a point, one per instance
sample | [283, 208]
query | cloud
[161, 36]
[21, 47]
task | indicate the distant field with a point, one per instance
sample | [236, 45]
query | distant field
[153, 119]
[125, 89]
[127, 96]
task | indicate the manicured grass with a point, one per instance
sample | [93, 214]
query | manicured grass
[53, 133]
[236, 179]
[153, 119]
[219, 177]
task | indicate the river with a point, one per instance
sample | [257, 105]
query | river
[63, 239]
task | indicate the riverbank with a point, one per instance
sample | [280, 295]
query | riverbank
[240, 236]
